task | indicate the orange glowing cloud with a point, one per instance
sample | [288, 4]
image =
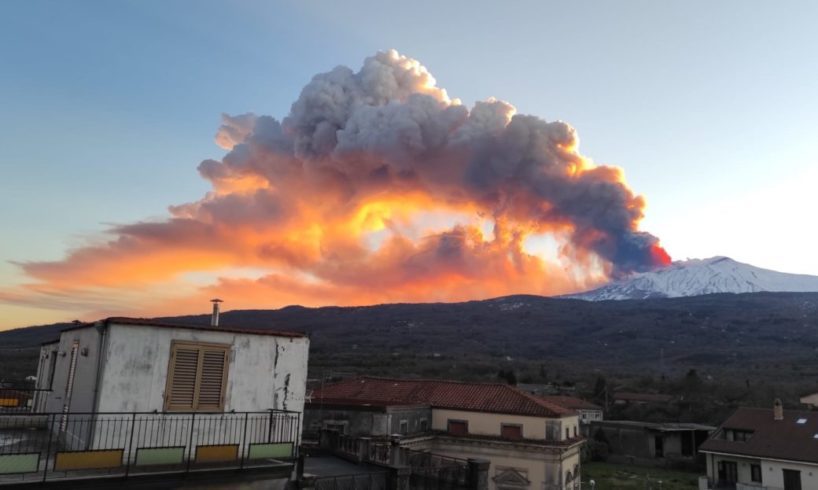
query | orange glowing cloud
[377, 187]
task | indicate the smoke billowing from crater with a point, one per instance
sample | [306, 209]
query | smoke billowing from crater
[377, 186]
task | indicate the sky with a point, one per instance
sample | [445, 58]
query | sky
[108, 108]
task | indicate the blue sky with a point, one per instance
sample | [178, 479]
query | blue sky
[711, 108]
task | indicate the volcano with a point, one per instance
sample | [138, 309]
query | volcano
[696, 277]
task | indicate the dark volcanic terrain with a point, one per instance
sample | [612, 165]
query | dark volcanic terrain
[758, 335]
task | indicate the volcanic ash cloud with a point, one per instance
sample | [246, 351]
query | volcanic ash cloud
[377, 186]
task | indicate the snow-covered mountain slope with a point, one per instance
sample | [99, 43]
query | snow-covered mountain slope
[702, 276]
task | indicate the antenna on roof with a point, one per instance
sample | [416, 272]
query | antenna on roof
[214, 318]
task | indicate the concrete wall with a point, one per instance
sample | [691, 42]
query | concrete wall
[265, 372]
[363, 422]
[488, 424]
[81, 399]
[412, 416]
[356, 422]
[545, 469]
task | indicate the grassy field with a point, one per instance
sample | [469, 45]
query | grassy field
[613, 476]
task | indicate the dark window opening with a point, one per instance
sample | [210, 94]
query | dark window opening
[687, 443]
[792, 480]
[404, 427]
[659, 445]
[458, 427]
[511, 431]
[728, 472]
[755, 472]
[424, 425]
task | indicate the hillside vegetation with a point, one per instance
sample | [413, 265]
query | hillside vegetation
[744, 341]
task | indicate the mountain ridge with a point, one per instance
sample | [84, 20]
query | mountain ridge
[696, 277]
[769, 334]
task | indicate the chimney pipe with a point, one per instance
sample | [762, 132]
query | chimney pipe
[778, 410]
[214, 318]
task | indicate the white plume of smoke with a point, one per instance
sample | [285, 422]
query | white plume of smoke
[365, 154]
[388, 126]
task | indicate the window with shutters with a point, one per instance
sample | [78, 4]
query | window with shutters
[197, 377]
[513, 432]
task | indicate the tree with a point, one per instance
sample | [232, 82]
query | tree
[692, 383]
[508, 376]
[600, 390]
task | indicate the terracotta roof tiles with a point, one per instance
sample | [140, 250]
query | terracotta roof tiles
[456, 395]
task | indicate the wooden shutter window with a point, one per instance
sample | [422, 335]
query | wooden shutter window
[182, 389]
[211, 386]
[197, 377]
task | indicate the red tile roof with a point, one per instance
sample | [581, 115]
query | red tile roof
[571, 402]
[779, 439]
[456, 395]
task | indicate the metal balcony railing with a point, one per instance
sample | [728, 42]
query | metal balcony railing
[22, 400]
[50, 446]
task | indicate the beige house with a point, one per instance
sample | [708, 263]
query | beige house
[530, 443]
[763, 449]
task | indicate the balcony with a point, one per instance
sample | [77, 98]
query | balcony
[45, 447]
[22, 400]
[706, 483]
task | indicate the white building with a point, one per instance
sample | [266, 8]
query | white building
[152, 390]
[763, 449]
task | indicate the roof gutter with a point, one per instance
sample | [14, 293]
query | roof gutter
[752, 456]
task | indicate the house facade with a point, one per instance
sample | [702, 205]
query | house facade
[128, 383]
[136, 365]
[763, 449]
[529, 442]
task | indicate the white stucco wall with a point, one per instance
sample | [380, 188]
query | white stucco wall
[772, 475]
[265, 372]
[544, 469]
[488, 424]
